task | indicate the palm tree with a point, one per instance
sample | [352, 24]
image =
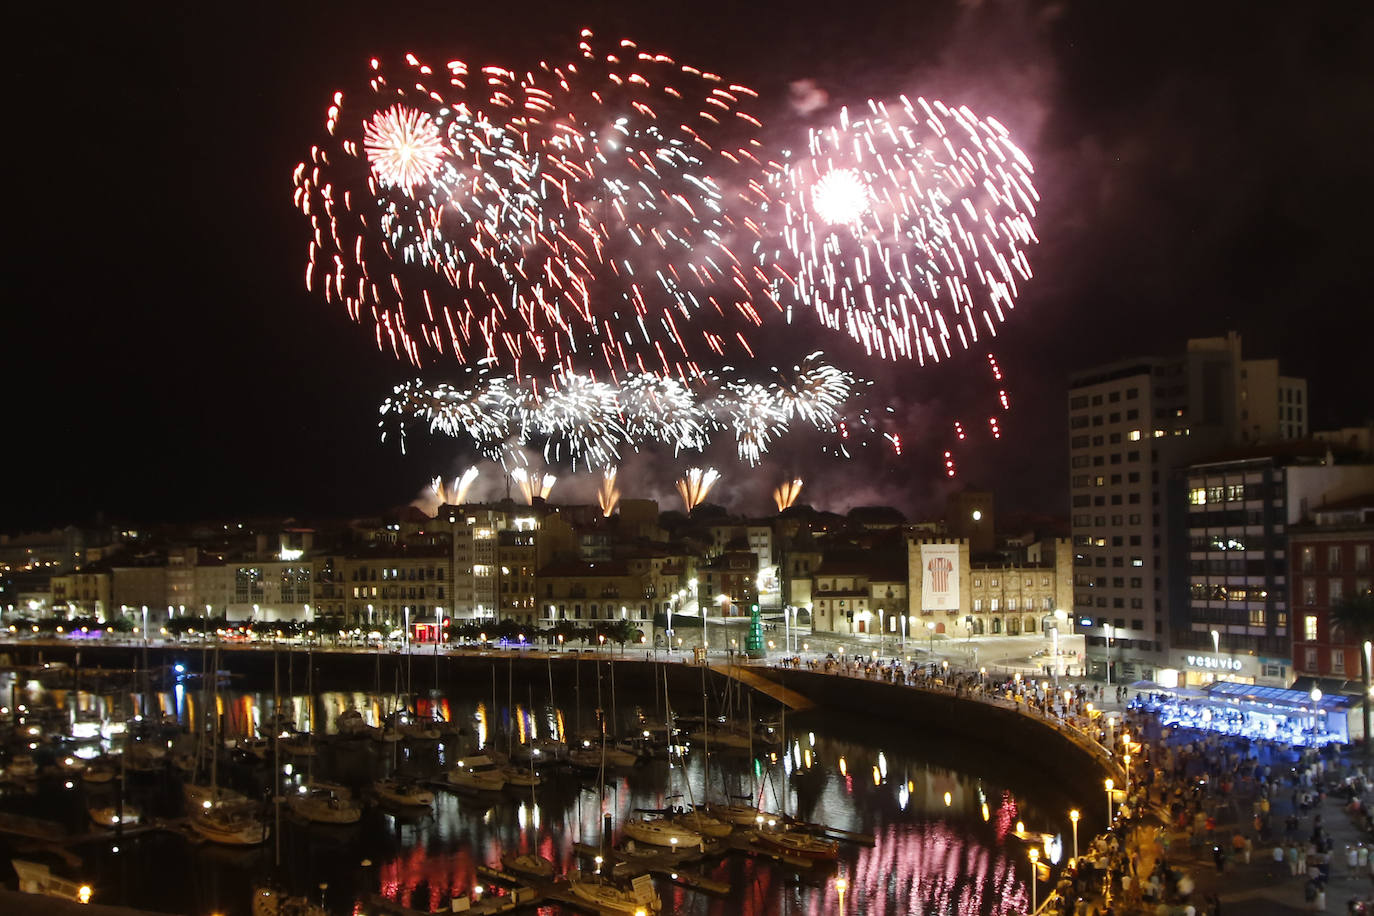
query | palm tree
[1354, 616]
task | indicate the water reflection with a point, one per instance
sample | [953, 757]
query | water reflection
[944, 841]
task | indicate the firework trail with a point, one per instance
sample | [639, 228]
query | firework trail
[607, 496]
[695, 484]
[456, 492]
[533, 486]
[786, 493]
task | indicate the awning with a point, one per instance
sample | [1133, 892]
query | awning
[1328, 685]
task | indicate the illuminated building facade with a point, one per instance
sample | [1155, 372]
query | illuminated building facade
[1330, 564]
[1240, 510]
[1132, 426]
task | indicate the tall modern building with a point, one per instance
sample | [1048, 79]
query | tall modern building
[1131, 425]
[1241, 508]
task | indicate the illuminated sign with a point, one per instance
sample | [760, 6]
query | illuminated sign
[1213, 662]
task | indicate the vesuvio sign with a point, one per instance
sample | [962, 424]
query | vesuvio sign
[1214, 662]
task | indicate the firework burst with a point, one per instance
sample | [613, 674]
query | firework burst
[695, 484]
[910, 227]
[597, 238]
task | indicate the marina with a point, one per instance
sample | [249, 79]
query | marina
[374, 823]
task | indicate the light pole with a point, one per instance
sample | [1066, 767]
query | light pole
[1109, 784]
[841, 885]
[1073, 819]
[1368, 659]
[1107, 629]
[1034, 858]
[930, 628]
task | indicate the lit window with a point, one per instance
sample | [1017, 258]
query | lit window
[1309, 628]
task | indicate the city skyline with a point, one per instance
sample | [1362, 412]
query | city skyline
[1193, 184]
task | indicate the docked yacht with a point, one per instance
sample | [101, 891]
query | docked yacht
[324, 803]
[479, 772]
[403, 793]
[658, 831]
[606, 895]
[229, 825]
[109, 816]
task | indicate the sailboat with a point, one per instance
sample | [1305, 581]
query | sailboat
[782, 837]
[321, 802]
[217, 819]
[529, 863]
[664, 830]
[325, 803]
[606, 895]
[515, 775]
[480, 773]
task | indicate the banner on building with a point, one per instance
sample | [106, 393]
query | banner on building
[939, 577]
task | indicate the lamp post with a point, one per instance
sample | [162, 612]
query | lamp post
[930, 628]
[1107, 629]
[841, 885]
[1034, 859]
[1073, 819]
[1109, 784]
[1368, 664]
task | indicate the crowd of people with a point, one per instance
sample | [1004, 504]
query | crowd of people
[1248, 806]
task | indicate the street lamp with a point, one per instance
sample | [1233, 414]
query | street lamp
[1107, 629]
[1073, 818]
[1034, 858]
[930, 628]
[841, 885]
[1109, 784]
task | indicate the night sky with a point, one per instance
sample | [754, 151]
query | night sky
[1203, 167]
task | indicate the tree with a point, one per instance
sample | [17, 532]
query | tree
[1354, 616]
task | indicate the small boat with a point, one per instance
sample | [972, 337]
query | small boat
[540, 751]
[100, 771]
[21, 768]
[527, 863]
[71, 766]
[351, 724]
[739, 815]
[590, 756]
[324, 803]
[36, 878]
[201, 796]
[279, 724]
[479, 772]
[707, 825]
[607, 896]
[403, 793]
[659, 831]
[521, 776]
[229, 825]
[297, 746]
[797, 843]
[110, 817]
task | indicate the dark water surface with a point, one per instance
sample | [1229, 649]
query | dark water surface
[943, 817]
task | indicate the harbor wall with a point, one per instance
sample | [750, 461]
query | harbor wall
[1040, 748]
